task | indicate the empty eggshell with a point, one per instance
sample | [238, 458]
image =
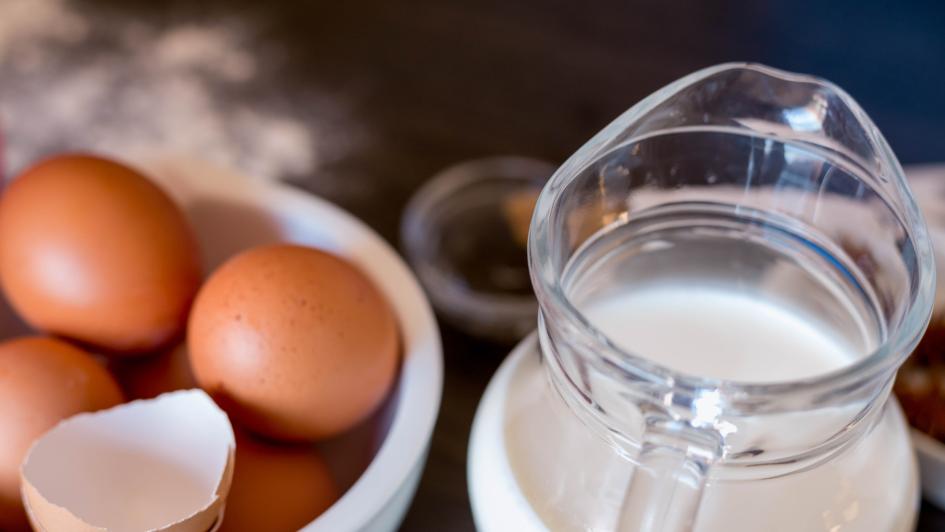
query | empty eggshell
[162, 464]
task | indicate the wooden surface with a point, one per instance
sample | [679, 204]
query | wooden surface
[434, 82]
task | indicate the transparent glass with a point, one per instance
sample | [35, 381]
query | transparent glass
[758, 181]
[464, 233]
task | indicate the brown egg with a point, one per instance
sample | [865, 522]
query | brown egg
[93, 251]
[42, 381]
[276, 488]
[295, 343]
[150, 376]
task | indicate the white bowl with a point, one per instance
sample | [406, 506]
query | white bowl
[379, 462]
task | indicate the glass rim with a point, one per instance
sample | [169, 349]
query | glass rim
[553, 301]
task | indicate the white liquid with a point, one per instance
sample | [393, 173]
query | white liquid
[533, 466]
[717, 333]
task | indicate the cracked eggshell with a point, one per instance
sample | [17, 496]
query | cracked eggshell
[163, 464]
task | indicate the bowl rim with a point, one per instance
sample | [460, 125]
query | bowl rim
[420, 383]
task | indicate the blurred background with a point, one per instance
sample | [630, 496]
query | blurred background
[361, 102]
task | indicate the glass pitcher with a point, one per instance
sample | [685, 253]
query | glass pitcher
[729, 276]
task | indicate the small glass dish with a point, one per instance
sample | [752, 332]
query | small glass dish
[465, 233]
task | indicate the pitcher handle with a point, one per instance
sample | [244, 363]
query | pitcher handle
[665, 492]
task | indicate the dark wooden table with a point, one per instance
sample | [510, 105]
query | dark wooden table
[430, 82]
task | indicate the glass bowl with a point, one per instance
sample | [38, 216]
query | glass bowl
[465, 233]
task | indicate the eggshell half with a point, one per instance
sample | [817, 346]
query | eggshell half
[162, 465]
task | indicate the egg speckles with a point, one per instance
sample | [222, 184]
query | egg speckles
[295, 343]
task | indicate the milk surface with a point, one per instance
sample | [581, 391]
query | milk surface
[718, 333]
